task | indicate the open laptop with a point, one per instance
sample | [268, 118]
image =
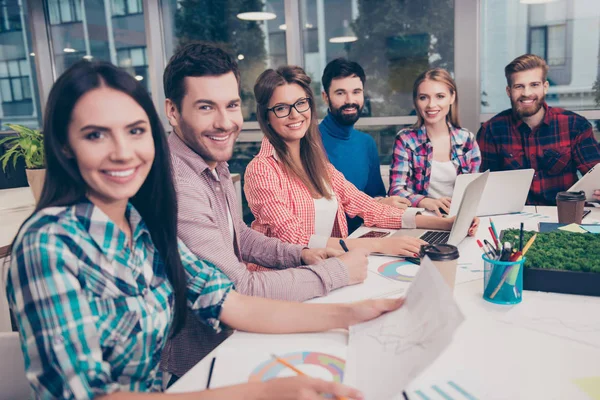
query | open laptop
[506, 192]
[464, 218]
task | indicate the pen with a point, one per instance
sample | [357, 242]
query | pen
[296, 370]
[495, 232]
[212, 366]
[491, 246]
[404, 395]
[521, 238]
[485, 251]
[343, 244]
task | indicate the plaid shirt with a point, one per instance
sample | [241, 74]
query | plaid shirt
[560, 146]
[93, 314]
[284, 207]
[413, 153]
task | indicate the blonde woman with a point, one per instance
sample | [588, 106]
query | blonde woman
[299, 197]
[430, 155]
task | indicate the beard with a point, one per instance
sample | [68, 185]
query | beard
[346, 119]
[528, 111]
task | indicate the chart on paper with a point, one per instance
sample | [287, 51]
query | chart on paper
[449, 390]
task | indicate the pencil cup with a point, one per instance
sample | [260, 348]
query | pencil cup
[503, 281]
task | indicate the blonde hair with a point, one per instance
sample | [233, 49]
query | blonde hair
[314, 175]
[525, 63]
[442, 76]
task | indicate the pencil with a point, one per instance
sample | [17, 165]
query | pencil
[494, 238]
[494, 229]
[528, 245]
[212, 366]
[296, 370]
[343, 244]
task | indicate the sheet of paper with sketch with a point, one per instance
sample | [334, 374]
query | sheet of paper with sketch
[385, 354]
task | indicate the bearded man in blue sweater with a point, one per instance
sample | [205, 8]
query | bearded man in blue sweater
[352, 152]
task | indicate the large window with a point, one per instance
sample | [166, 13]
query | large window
[566, 33]
[18, 94]
[110, 30]
[394, 41]
[258, 43]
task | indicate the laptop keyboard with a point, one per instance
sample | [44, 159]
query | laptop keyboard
[436, 237]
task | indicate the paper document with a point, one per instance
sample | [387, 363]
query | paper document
[572, 228]
[385, 354]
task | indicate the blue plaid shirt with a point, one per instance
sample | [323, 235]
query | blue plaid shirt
[93, 313]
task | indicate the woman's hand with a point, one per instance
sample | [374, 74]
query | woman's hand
[400, 245]
[436, 204]
[305, 388]
[395, 201]
[367, 310]
[474, 226]
[449, 221]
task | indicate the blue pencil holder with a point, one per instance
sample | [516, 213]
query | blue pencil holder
[503, 280]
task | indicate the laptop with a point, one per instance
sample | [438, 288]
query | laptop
[588, 183]
[506, 192]
[464, 218]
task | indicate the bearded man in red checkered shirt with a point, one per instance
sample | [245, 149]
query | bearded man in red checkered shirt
[555, 142]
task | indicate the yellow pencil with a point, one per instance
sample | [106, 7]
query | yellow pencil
[528, 245]
[296, 370]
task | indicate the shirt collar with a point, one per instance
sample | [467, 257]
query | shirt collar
[336, 129]
[195, 161]
[455, 136]
[105, 233]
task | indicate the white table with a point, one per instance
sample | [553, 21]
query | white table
[533, 350]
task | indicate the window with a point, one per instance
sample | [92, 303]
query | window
[394, 41]
[19, 102]
[14, 81]
[257, 44]
[126, 7]
[549, 42]
[64, 11]
[564, 32]
[98, 31]
[10, 16]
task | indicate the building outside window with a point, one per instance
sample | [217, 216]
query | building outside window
[126, 7]
[64, 11]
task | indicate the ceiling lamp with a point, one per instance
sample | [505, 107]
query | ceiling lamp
[262, 14]
[344, 35]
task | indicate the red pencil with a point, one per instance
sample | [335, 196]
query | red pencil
[496, 241]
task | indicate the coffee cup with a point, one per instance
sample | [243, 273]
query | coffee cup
[570, 207]
[445, 259]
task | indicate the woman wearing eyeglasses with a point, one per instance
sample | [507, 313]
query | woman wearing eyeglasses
[296, 194]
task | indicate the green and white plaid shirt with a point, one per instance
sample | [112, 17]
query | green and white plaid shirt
[93, 313]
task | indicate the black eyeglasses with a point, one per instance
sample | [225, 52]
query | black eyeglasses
[283, 110]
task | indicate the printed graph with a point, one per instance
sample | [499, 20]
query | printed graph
[402, 271]
[449, 390]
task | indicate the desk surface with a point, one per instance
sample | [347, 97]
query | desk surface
[534, 350]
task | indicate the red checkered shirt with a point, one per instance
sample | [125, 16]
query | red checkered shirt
[561, 145]
[284, 207]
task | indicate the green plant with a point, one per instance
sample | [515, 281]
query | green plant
[29, 144]
[560, 250]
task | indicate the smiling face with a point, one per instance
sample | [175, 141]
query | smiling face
[110, 138]
[210, 118]
[293, 127]
[433, 101]
[527, 92]
[346, 99]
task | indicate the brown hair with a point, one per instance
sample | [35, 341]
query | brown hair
[437, 75]
[314, 174]
[525, 63]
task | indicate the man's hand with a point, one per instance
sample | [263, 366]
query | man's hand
[356, 260]
[597, 194]
[314, 256]
[395, 201]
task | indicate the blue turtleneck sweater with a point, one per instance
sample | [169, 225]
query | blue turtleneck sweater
[354, 154]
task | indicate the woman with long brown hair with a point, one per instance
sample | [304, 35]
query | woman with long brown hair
[296, 194]
[429, 155]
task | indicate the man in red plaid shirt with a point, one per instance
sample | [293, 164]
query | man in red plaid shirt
[556, 143]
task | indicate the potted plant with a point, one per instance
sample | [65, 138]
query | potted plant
[28, 144]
